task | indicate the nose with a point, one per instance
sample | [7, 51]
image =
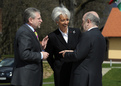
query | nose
[66, 22]
[41, 20]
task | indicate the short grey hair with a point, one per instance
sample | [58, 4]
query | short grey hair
[57, 11]
[95, 20]
[29, 12]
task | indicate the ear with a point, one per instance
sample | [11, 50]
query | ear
[88, 21]
[30, 20]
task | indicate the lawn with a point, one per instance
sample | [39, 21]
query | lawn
[112, 78]
[107, 65]
[48, 85]
[50, 79]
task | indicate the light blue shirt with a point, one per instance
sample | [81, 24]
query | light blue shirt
[33, 31]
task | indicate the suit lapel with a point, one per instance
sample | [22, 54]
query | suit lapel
[70, 35]
[61, 39]
[32, 33]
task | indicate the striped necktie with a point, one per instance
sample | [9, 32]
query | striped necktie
[36, 34]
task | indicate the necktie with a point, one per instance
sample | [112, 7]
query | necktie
[36, 34]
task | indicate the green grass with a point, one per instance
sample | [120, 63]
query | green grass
[105, 65]
[112, 78]
[4, 84]
[48, 85]
[50, 79]
[7, 56]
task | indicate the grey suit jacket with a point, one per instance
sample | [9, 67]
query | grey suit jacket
[56, 44]
[88, 57]
[28, 69]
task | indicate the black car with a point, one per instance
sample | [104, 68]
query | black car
[6, 67]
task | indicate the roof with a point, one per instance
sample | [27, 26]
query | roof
[112, 27]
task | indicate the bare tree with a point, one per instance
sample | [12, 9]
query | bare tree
[12, 19]
[74, 7]
[79, 7]
[12, 16]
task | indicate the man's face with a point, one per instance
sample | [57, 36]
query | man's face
[36, 22]
[84, 24]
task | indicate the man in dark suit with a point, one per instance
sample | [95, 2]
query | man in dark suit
[61, 39]
[28, 69]
[88, 56]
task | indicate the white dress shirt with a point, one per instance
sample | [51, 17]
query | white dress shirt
[65, 35]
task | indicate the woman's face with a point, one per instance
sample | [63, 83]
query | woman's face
[63, 22]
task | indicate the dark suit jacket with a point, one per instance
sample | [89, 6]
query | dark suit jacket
[56, 44]
[88, 57]
[28, 69]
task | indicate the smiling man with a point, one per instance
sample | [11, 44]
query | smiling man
[28, 51]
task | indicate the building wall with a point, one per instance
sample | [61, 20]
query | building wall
[114, 51]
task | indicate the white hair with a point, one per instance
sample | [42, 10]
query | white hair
[57, 11]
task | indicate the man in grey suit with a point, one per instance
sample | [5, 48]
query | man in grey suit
[88, 56]
[28, 69]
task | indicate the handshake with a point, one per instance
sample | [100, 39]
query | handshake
[46, 54]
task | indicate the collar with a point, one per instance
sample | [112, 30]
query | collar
[91, 28]
[30, 27]
[63, 33]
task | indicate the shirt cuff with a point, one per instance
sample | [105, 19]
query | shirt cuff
[41, 55]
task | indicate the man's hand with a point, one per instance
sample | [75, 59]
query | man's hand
[64, 51]
[45, 54]
[44, 42]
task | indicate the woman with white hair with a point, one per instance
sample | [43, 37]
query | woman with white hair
[63, 38]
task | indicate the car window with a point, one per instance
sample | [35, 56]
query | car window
[6, 62]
